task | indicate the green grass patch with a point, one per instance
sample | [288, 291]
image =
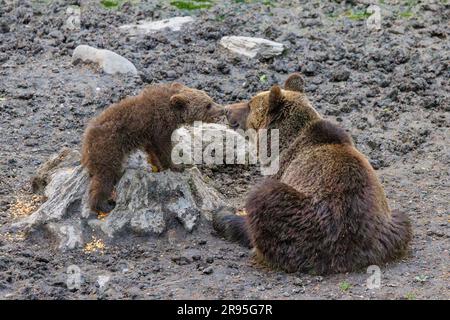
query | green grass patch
[110, 4]
[344, 286]
[357, 15]
[115, 4]
[269, 3]
[406, 14]
[411, 3]
[220, 17]
[263, 79]
[410, 296]
[192, 4]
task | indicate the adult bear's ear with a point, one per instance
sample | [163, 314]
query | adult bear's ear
[177, 86]
[295, 82]
[178, 101]
[276, 100]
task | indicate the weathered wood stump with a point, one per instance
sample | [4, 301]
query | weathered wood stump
[147, 203]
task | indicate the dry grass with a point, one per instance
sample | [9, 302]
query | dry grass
[25, 205]
[94, 246]
[13, 237]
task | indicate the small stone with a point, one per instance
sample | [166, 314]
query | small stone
[156, 269]
[341, 74]
[196, 257]
[4, 27]
[181, 260]
[298, 282]
[56, 34]
[73, 21]
[310, 69]
[171, 75]
[208, 270]
[242, 254]
[251, 47]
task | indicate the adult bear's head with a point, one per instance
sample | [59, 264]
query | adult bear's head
[285, 109]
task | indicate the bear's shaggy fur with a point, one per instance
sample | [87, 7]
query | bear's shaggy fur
[325, 210]
[145, 121]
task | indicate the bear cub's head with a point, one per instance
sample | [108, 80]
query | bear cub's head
[195, 105]
[286, 109]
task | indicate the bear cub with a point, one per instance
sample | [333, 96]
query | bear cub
[146, 122]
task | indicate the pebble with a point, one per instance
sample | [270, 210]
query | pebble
[208, 270]
[340, 74]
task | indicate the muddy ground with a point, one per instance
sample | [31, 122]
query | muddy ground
[389, 89]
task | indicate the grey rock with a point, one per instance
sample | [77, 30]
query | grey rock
[208, 270]
[110, 62]
[251, 47]
[205, 137]
[144, 27]
[341, 74]
[73, 14]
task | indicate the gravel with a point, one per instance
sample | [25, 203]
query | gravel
[388, 88]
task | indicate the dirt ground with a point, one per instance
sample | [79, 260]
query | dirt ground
[389, 89]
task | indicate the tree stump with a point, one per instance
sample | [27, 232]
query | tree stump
[147, 203]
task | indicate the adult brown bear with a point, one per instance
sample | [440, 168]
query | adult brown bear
[325, 210]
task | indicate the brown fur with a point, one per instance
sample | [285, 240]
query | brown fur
[145, 121]
[288, 111]
[325, 210]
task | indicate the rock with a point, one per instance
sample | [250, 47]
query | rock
[341, 74]
[209, 144]
[4, 27]
[56, 34]
[208, 270]
[298, 282]
[171, 75]
[144, 27]
[210, 260]
[65, 159]
[251, 47]
[181, 260]
[73, 18]
[311, 68]
[109, 61]
[147, 203]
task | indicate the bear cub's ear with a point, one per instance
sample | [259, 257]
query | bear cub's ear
[276, 100]
[295, 82]
[178, 100]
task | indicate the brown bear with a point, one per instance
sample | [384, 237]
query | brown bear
[145, 121]
[325, 210]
